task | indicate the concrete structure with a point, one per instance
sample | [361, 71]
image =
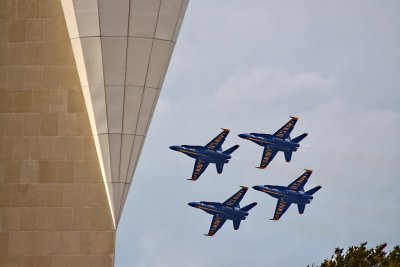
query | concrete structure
[79, 81]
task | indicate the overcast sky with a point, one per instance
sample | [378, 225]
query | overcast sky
[248, 66]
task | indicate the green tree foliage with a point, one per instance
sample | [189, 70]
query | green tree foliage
[360, 256]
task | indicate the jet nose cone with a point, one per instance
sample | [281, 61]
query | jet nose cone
[193, 204]
[258, 187]
[242, 135]
[174, 147]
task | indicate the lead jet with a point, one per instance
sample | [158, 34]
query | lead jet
[210, 153]
[279, 141]
[293, 193]
[229, 210]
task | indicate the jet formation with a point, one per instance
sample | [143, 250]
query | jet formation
[273, 143]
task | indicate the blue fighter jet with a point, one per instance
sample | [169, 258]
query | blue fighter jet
[279, 141]
[210, 153]
[293, 193]
[229, 210]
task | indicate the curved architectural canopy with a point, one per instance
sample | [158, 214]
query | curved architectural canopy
[122, 50]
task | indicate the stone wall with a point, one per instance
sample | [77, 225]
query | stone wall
[53, 204]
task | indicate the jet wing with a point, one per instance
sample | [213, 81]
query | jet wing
[199, 167]
[299, 183]
[286, 129]
[281, 208]
[217, 142]
[216, 223]
[267, 157]
[234, 200]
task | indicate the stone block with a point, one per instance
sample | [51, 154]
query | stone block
[22, 101]
[88, 243]
[37, 195]
[90, 149]
[70, 261]
[10, 171]
[26, 243]
[65, 171]
[72, 196]
[76, 102]
[21, 148]
[54, 195]
[4, 29]
[29, 171]
[8, 219]
[31, 125]
[27, 9]
[51, 76]
[54, 219]
[40, 147]
[105, 243]
[21, 54]
[5, 195]
[4, 239]
[94, 195]
[56, 31]
[58, 148]
[58, 101]
[32, 78]
[101, 261]
[19, 195]
[40, 101]
[62, 243]
[49, 9]
[17, 31]
[83, 172]
[83, 123]
[16, 78]
[27, 219]
[6, 102]
[35, 31]
[3, 76]
[70, 78]
[49, 125]
[47, 171]
[75, 148]
[13, 124]
[6, 148]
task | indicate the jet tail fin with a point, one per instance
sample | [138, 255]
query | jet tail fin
[231, 150]
[288, 155]
[313, 191]
[249, 207]
[236, 224]
[220, 167]
[299, 138]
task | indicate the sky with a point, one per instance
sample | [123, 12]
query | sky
[248, 66]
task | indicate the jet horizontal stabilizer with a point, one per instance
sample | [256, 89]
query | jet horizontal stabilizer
[299, 138]
[236, 224]
[249, 207]
[288, 155]
[231, 150]
[314, 190]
